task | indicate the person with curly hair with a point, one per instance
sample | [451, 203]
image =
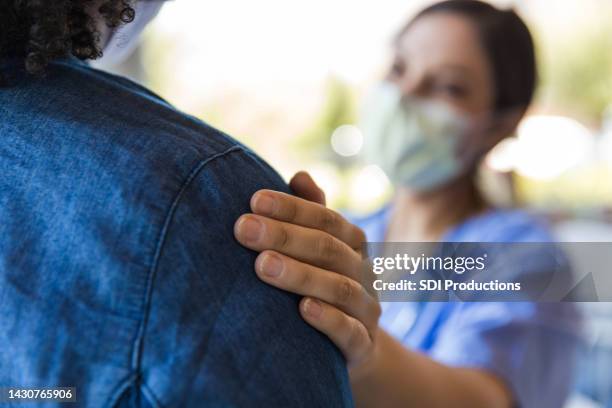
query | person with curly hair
[119, 272]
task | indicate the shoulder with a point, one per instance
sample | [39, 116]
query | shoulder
[503, 225]
[138, 113]
[121, 159]
[106, 127]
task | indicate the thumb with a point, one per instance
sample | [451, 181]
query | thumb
[304, 187]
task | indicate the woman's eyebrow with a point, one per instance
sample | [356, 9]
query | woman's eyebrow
[457, 68]
[458, 72]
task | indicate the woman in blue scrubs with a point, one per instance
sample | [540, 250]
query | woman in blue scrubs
[463, 76]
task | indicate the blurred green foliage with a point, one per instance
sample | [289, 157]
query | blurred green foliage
[577, 70]
[586, 187]
[338, 109]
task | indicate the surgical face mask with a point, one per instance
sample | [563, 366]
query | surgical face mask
[414, 142]
[123, 41]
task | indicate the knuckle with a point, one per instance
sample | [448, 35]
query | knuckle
[291, 210]
[282, 238]
[327, 248]
[328, 220]
[368, 347]
[304, 279]
[344, 291]
[355, 335]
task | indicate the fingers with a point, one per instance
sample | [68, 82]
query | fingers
[304, 244]
[346, 332]
[338, 290]
[294, 210]
[304, 186]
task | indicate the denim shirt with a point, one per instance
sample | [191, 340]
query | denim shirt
[119, 272]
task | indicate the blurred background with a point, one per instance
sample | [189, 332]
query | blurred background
[287, 79]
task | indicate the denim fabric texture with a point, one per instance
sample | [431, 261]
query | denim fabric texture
[119, 272]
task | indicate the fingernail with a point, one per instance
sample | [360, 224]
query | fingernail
[272, 266]
[312, 308]
[264, 204]
[250, 229]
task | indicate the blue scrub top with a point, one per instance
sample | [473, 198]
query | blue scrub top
[531, 346]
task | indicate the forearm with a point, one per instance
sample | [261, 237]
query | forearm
[398, 377]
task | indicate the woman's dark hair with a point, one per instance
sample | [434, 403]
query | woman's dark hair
[507, 43]
[40, 31]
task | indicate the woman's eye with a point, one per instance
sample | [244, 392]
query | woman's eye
[397, 69]
[454, 91]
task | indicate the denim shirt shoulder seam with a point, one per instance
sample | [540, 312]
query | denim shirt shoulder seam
[139, 340]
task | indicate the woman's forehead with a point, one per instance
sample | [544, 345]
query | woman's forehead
[443, 40]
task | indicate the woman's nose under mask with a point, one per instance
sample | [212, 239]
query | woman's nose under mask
[122, 42]
[414, 142]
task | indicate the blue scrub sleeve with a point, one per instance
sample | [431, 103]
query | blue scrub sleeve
[532, 347]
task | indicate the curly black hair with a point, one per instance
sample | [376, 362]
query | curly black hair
[41, 31]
